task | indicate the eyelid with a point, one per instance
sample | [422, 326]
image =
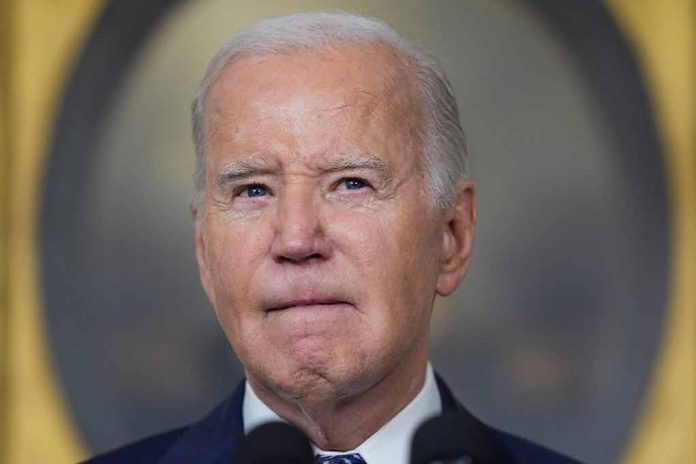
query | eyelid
[365, 181]
[237, 190]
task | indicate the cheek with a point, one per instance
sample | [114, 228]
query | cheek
[234, 255]
[395, 253]
[363, 238]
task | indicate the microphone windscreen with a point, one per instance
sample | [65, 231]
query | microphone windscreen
[275, 443]
[445, 439]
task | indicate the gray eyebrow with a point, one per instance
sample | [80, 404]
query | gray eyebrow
[366, 161]
[243, 168]
[240, 169]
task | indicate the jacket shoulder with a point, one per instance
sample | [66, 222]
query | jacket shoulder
[145, 451]
[525, 451]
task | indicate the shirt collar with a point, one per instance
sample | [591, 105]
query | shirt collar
[391, 443]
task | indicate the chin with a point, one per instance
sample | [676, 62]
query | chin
[316, 368]
[315, 381]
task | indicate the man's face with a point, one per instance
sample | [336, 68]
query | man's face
[318, 246]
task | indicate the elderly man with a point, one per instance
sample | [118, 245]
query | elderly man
[332, 206]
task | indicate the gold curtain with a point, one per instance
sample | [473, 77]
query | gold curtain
[663, 33]
[38, 47]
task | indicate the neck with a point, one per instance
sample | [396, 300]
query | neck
[342, 424]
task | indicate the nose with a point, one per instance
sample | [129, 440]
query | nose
[299, 235]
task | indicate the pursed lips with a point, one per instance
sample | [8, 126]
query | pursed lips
[304, 303]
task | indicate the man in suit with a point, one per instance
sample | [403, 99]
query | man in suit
[332, 205]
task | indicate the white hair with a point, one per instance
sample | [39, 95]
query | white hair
[443, 143]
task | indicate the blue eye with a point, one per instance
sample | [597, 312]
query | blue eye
[354, 184]
[255, 190]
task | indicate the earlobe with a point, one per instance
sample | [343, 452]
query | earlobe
[458, 236]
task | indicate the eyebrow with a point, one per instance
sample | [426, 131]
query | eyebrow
[241, 169]
[366, 162]
[244, 168]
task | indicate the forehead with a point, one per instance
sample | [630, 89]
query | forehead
[370, 79]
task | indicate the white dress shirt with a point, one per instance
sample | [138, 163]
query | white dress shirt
[389, 444]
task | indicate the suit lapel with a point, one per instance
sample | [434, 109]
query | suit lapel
[483, 443]
[214, 439]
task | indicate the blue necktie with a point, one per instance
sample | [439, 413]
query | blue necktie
[354, 458]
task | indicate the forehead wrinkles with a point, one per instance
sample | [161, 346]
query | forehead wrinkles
[379, 88]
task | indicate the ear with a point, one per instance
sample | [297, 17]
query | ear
[457, 238]
[201, 253]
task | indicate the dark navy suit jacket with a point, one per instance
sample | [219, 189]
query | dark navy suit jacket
[214, 440]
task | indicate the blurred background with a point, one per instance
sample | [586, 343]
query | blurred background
[576, 326]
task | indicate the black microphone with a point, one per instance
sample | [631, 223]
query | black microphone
[275, 443]
[449, 438]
